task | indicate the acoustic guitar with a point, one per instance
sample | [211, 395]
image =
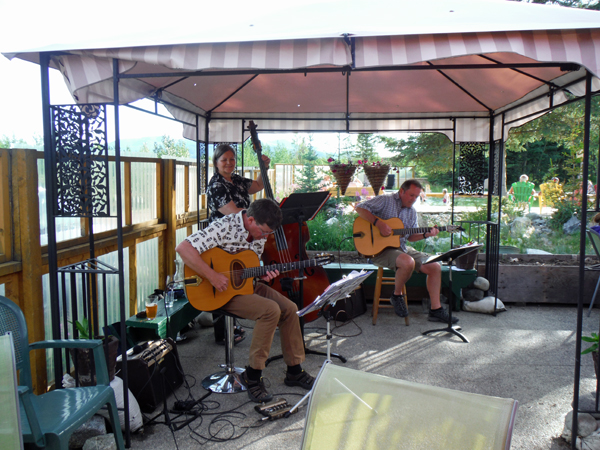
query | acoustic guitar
[369, 241]
[241, 269]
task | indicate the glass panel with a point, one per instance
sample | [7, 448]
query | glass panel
[179, 189]
[193, 188]
[147, 270]
[143, 191]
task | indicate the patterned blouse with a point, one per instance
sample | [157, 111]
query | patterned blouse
[390, 206]
[220, 192]
[229, 234]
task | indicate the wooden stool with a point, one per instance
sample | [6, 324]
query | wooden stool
[381, 280]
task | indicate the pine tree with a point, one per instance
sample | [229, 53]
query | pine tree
[310, 179]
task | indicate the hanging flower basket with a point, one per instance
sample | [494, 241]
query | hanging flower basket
[376, 174]
[343, 174]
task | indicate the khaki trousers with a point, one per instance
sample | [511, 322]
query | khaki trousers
[269, 309]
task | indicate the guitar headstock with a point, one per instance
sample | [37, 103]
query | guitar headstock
[324, 258]
[454, 228]
[254, 137]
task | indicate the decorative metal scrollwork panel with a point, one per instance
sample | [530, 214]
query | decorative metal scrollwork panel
[201, 158]
[81, 157]
[472, 169]
[497, 161]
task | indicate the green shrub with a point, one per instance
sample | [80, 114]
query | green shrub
[564, 211]
[333, 237]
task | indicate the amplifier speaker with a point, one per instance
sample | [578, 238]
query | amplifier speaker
[350, 307]
[153, 372]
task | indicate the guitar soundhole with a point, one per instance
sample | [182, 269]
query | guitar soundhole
[237, 272]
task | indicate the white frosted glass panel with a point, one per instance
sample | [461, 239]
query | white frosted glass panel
[143, 191]
[147, 270]
[193, 186]
[180, 235]
[179, 189]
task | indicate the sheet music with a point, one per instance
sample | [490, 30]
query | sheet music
[336, 291]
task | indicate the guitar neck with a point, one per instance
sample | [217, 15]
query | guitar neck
[403, 231]
[252, 272]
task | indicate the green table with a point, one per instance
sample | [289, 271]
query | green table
[460, 278]
[180, 314]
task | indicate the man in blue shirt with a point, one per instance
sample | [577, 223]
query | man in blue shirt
[405, 259]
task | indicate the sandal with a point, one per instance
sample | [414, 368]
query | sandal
[239, 331]
[303, 379]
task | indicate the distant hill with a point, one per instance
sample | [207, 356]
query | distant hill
[135, 145]
[322, 148]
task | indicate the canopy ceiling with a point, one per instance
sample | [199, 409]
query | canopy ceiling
[347, 66]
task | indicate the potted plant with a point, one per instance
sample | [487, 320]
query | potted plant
[83, 357]
[593, 349]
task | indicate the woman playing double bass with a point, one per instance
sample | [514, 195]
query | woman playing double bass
[229, 193]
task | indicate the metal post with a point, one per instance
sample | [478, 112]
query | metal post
[50, 169]
[124, 314]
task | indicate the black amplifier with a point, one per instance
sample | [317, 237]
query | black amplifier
[153, 372]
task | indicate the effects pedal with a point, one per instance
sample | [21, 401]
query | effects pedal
[274, 410]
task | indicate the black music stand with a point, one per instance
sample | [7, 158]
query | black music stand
[298, 208]
[336, 291]
[449, 257]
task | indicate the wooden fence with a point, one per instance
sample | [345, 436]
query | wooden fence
[23, 260]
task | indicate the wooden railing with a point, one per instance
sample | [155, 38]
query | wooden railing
[23, 260]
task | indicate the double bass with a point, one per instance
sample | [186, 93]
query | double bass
[288, 245]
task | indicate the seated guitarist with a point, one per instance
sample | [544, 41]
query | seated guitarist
[248, 230]
[405, 259]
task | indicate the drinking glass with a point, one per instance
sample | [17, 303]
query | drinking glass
[151, 306]
[169, 298]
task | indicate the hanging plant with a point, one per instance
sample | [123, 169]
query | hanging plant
[343, 173]
[376, 174]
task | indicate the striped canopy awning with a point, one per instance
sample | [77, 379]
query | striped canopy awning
[454, 81]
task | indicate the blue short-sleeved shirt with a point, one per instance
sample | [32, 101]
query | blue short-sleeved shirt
[390, 206]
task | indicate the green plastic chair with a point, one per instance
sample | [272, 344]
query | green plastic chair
[48, 420]
[522, 192]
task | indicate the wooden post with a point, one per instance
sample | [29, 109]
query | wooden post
[169, 216]
[26, 221]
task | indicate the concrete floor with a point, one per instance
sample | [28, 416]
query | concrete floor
[526, 353]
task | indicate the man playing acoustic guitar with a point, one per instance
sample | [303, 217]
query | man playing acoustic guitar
[405, 259]
[248, 230]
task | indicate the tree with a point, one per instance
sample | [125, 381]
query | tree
[584, 4]
[430, 153]
[365, 148]
[13, 142]
[169, 147]
[309, 180]
[563, 127]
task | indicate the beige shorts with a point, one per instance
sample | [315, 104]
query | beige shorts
[387, 258]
